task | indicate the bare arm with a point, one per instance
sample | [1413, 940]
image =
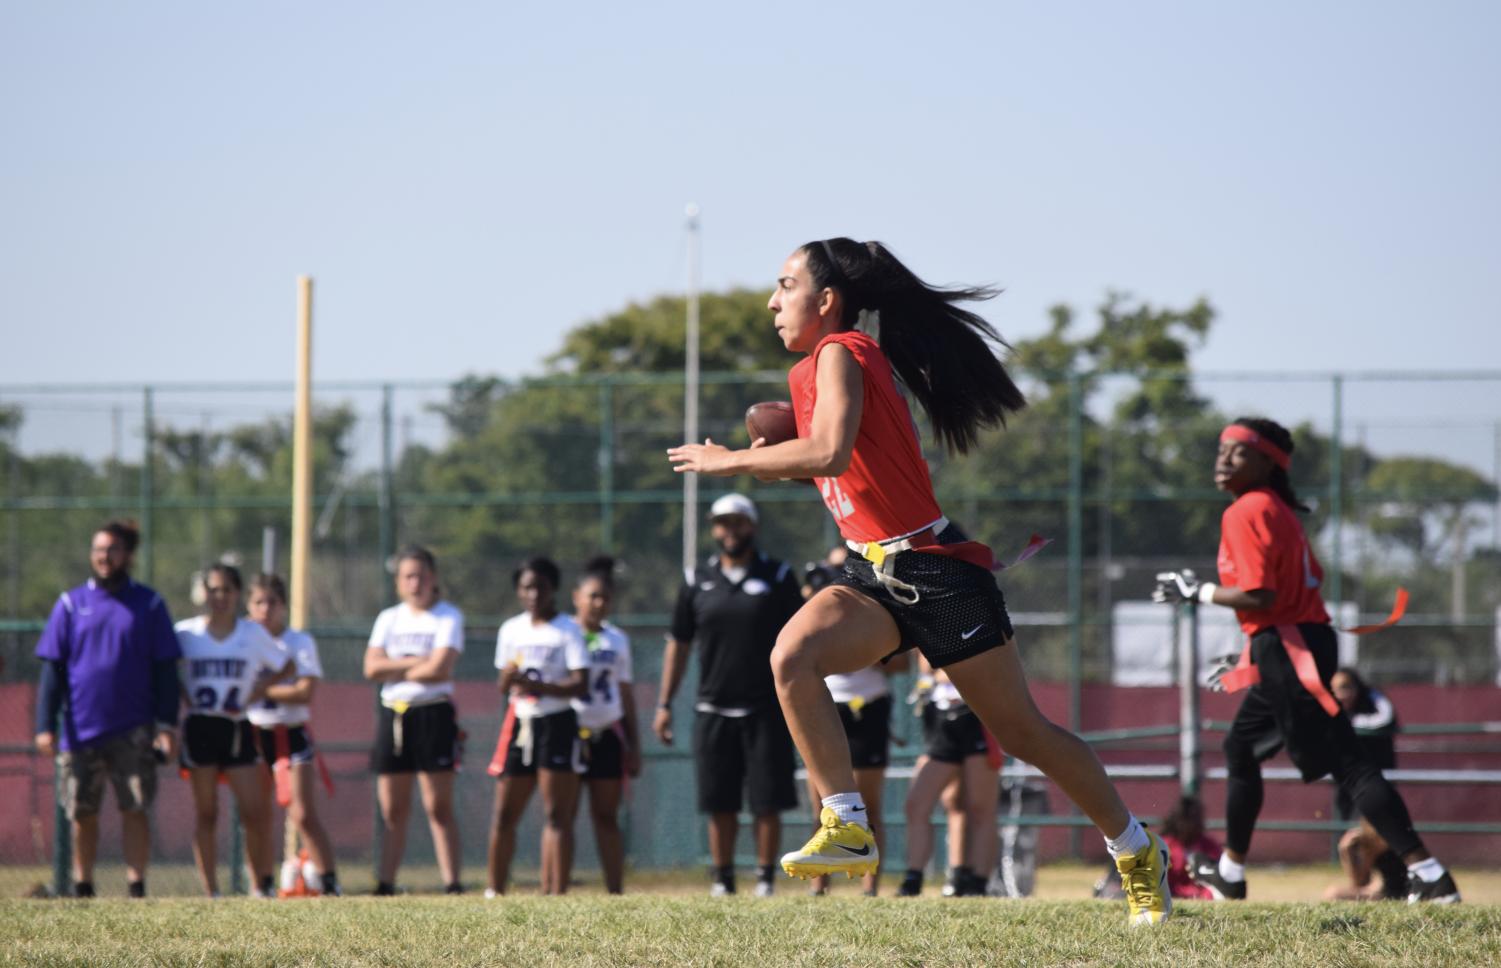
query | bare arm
[576, 686]
[437, 667]
[258, 691]
[383, 668]
[674, 664]
[300, 692]
[825, 452]
[1254, 600]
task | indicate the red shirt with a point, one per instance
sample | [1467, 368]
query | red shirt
[886, 491]
[1262, 545]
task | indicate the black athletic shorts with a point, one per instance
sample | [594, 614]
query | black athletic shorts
[429, 740]
[299, 746]
[869, 732]
[744, 755]
[1278, 711]
[603, 754]
[554, 743]
[218, 741]
[952, 735]
[959, 613]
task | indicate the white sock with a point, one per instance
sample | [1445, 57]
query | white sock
[1129, 842]
[1230, 870]
[1428, 870]
[849, 807]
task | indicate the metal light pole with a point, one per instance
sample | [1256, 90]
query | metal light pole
[1188, 699]
[690, 399]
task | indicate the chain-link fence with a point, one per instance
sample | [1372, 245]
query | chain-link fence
[1399, 470]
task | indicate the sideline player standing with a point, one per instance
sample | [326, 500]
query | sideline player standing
[914, 581]
[229, 661]
[1269, 575]
[608, 734]
[109, 669]
[413, 650]
[733, 607]
[281, 724]
[543, 664]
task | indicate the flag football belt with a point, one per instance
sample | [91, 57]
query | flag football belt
[281, 766]
[1245, 674]
[882, 557]
[400, 707]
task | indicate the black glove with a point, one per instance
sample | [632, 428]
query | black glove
[1217, 672]
[1177, 587]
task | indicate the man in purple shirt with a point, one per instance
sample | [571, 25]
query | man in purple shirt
[109, 673]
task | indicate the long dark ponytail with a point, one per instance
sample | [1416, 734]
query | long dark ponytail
[940, 352]
[1277, 434]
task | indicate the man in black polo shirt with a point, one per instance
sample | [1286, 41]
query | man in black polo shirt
[733, 608]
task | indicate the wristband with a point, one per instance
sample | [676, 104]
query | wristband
[665, 705]
[1206, 593]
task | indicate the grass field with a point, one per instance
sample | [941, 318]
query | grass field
[676, 924]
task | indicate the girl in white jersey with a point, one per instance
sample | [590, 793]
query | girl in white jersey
[413, 650]
[957, 747]
[606, 714]
[281, 725]
[543, 664]
[227, 664]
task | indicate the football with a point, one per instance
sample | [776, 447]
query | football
[772, 420]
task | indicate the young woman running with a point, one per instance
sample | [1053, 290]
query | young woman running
[608, 732]
[957, 753]
[228, 662]
[543, 664]
[281, 724]
[913, 580]
[1269, 575]
[412, 652]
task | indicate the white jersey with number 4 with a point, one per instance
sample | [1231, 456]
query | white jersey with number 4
[406, 633]
[219, 674]
[609, 674]
[304, 652]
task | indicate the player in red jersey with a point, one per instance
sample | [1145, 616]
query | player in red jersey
[1272, 579]
[912, 579]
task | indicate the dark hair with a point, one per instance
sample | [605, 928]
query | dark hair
[1172, 824]
[417, 553]
[228, 572]
[1363, 701]
[1278, 480]
[125, 531]
[940, 352]
[540, 565]
[271, 584]
[601, 567]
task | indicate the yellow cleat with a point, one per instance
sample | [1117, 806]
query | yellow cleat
[836, 848]
[1144, 877]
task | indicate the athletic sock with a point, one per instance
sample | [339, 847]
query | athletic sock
[1129, 842]
[268, 886]
[767, 873]
[136, 888]
[725, 876]
[1230, 870]
[849, 808]
[1428, 870]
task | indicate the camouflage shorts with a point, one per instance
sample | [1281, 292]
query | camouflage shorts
[127, 761]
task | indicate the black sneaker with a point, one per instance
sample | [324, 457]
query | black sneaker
[83, 889]
[1441, 891]
[385, 889]
[911, 886]
[1207, 874]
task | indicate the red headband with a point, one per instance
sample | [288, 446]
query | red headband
[1252, 439]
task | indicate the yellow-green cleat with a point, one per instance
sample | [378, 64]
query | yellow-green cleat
[836, 848]
[1144, 877]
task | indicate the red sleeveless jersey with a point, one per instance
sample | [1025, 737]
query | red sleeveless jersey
[886, 491]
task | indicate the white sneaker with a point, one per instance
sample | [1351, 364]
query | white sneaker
[490, 894]
[765, 889]
[719, 890]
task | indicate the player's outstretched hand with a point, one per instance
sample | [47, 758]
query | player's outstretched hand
[1176, 587]
[705, 458]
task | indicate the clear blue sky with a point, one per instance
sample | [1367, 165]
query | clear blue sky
[466, 180]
